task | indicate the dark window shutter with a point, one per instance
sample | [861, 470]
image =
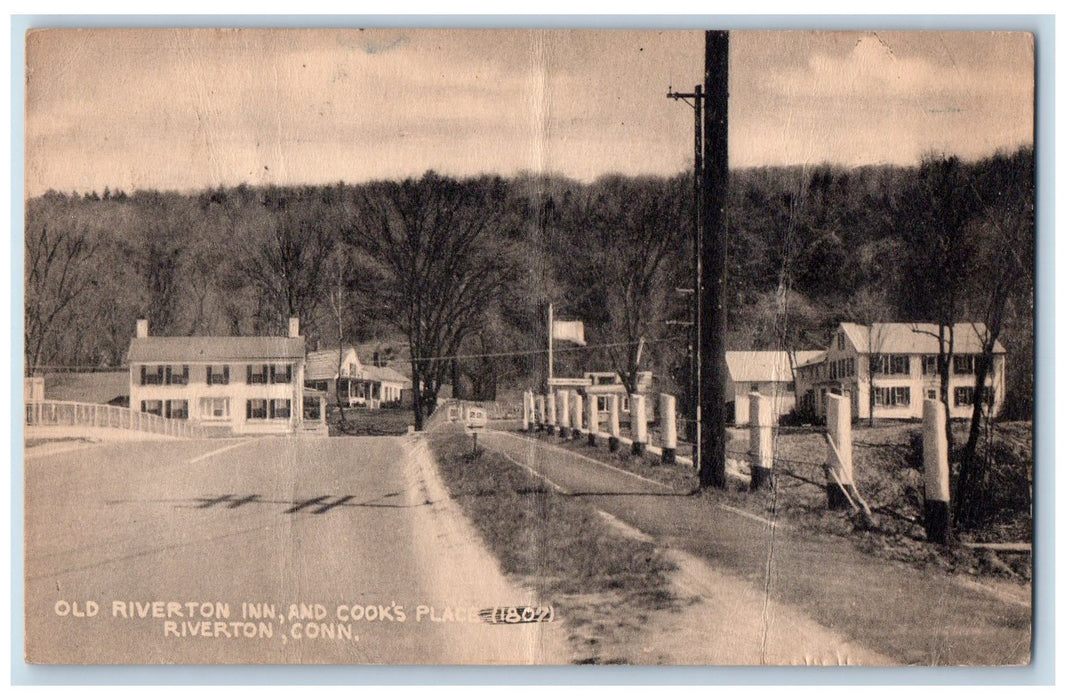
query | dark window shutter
[272, 375]
[144, 373]
[249, 374]
[185, 373]
[225, 374]
[209, 375]
[271, 408]
[144, 404]
[248, 409]
[166, 408]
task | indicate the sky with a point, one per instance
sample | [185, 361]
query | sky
[186, 109]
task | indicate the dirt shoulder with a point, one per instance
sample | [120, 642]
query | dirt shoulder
[907, 614]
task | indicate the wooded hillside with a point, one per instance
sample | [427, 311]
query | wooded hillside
[466, 267]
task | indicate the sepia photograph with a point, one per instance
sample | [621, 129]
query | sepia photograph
[528, 347]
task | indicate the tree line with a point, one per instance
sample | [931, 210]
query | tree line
[463, 269]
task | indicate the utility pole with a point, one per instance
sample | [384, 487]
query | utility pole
[694, 364]
[712, 289]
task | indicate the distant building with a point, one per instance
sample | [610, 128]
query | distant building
[238, 384]
[903, 357]
[768, 372]
[361, 385]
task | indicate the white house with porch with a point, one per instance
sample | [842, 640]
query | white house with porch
[360, 385]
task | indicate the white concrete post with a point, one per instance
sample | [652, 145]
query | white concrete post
[526, 400]
[668, 423]
[838, 427]
[613, 428]
[542, 419]
[761, 439]
[594, 419]
[577, 413]
[935, 465]
[563, 406]
[638, 423]
[552, 415]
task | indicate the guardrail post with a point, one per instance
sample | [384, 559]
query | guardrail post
[668, 423]
[594, 419]
[840, 484]
[638, 422]
[577, 413]
[542, 419]
[613, 442]
[552, 415]
[935, 464]
[563, 406]
[761, 440]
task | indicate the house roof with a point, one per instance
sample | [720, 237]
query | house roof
[173, 349]
[384, 374]
[765, 365]
[914, 338]
[322, 364]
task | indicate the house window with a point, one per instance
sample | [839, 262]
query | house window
[891, 364]
[256, 409]
[217, 374]
[155, 407]
[177, 408]
[892, 396]
[280, 408]
[214, 407]
[851, 367]
[257, 374]
[177, 375]
[624, 401]
[840, 341]
[930, 393]
[281, 374]
[963, 364]
[155, 376]
[964, 395]
[929, 364]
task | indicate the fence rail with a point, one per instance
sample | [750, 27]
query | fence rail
[91, 415]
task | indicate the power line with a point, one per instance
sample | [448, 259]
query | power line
[543, 351]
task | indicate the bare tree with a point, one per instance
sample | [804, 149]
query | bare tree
[634, 227]
[440, 251]
[936, 223]
[58, 273]
[1003, 268]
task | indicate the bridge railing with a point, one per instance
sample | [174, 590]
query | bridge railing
[91, 415]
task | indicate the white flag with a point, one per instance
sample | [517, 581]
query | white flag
[574, 331]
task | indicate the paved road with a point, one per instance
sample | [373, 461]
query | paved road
[911, 616]
[331, 526]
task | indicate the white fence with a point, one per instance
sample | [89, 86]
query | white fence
[91, 415]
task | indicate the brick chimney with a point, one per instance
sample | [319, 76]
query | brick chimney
[142, 328]
[294, 327]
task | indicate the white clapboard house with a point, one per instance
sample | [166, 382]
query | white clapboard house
[903, 359]
[242, 384]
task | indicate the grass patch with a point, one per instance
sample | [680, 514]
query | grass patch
[602, 583]
[362, 421]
